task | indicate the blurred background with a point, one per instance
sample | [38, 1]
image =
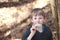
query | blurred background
[15, 17]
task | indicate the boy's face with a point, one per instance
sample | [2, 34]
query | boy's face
[39, 18]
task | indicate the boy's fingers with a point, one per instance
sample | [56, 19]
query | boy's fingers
[33, 28]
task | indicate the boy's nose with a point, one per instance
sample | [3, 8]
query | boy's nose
[37, 20]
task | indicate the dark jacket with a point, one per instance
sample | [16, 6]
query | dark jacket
[45, 35]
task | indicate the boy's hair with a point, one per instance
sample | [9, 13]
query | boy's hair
[37, 11]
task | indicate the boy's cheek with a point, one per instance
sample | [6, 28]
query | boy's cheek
[42, 21]
[33, 22]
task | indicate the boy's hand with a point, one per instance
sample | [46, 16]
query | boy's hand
[33, 30]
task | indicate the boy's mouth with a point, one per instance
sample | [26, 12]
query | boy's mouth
[38, 25]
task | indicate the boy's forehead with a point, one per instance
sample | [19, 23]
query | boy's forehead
[37, 16]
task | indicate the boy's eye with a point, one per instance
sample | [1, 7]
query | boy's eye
[35, 18]
[40, 18]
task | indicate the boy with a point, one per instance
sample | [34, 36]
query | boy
[37, 31]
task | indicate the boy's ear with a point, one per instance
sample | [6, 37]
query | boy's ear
[31, 19]
[45, 20]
